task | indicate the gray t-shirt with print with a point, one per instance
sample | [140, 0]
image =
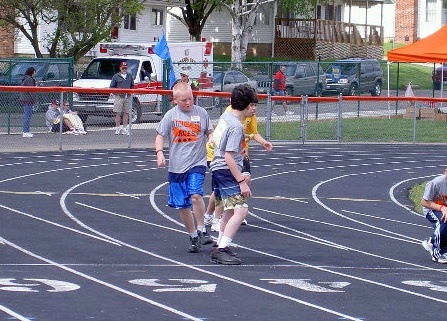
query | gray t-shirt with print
[187, 133]
[228, 136]
[436, 191]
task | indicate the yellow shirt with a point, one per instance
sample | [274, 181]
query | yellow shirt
[250, 129]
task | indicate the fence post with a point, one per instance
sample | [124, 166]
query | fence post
[129, 124]
[340, 117]
[303, 118]
[61, 119]
[268, 118]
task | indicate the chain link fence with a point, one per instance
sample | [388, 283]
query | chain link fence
[306, 114]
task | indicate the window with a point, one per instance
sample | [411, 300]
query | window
[430, 11]
[130, 22]
[157, 17]
[262, 17]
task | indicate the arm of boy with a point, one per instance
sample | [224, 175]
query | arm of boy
[243, 185]
[159, 143]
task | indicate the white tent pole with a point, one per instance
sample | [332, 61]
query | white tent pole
[388, 85]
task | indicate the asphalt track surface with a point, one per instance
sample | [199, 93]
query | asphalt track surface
[86, 235]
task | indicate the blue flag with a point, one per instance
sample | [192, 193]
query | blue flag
[161, 49]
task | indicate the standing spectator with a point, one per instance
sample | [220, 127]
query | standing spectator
[28, 100]
[123, 102]
[187, 128]
[434, 202]
[279, 87]
[230, 185]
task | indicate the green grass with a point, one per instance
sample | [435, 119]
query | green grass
[380, 130]
[415, 196]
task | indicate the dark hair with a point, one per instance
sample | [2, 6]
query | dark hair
[242, 96]
[30, 71]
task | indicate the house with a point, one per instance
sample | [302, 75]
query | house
[343, 28]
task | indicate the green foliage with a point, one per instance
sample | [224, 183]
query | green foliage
[415, 196]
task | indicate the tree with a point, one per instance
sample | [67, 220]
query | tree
[79, 24]
[243, 14]
[195, 14]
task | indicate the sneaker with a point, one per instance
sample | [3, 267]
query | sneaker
[244, 222]
[195, 245]
[208, 219]
[428, 245]
[215, 227]
[27, 135]
[289, 112]
[205, 238]
[118, 130]
[125, 131]
[224, 256]
[442, 259]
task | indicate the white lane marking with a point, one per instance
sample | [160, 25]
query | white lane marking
[13, 314]
[305, 285]
[391, 192]
[203, 286]
[9, 284]
[428, 284]
[386, 219]
[98, 281]
[334, 225]
[58, 225]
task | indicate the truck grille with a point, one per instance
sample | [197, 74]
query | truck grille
[94, 97]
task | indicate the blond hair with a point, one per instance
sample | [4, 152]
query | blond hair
[181, 87]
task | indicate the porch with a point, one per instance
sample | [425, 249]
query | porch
[313, 39]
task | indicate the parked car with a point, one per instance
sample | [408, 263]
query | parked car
[49, 73]
[226, 81]
[353, 76]
[440, 72]
[302, 78]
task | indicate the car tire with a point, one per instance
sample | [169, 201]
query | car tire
[318, 91]
[377, 89]
[352, 90]
[437, 85]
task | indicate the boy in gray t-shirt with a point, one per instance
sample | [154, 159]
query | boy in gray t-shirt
[187, 128]
[230, 186]
[434, 202]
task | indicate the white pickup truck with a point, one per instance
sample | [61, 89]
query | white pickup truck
[146, 69]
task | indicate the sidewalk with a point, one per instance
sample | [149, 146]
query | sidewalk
[95, 139]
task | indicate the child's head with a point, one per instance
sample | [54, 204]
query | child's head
[242, 96]
[182, 96]
[55, 103]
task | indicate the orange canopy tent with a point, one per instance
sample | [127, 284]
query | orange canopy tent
[430, 49]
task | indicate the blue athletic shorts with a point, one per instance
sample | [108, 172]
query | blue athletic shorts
[181, 187]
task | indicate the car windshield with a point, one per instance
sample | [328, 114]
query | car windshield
[345, 68]
[106, 68]
[20, 68]
[217, 77]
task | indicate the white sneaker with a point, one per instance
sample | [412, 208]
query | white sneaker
[428, 246]
[208, 219]
[118, 130]
[125, 131]
[215, 227]
[27, 135]
[442, 259]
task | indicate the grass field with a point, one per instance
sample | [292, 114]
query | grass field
[381, 130]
